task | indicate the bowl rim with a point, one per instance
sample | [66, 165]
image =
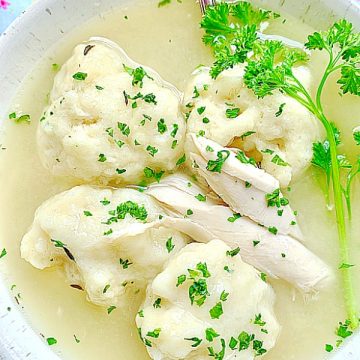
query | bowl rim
[17, 339]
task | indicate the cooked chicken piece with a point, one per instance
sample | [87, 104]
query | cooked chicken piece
[110, 118]
[102, 237]
[277, 131]
[195, 212]
[247, 189]
[207, 301]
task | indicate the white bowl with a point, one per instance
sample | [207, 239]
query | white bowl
[27, 40]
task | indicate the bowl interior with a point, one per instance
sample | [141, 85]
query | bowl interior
[21, 47]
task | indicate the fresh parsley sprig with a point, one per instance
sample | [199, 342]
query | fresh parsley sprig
[232, 31]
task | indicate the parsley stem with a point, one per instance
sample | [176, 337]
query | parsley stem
[341, 225]
[338, 191]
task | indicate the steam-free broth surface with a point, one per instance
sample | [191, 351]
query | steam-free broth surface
[169, 40]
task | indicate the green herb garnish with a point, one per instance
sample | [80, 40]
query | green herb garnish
[80, 76]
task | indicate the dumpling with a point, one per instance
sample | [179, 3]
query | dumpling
[276, 131]
[105, 239]
[207, 301]
[110, 118]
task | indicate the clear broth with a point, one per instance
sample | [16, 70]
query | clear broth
[169, 38]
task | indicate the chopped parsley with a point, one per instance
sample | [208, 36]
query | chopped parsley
[152, 174]
[124, 128]
[258, 320]
[281, 109]
[356, 136]
[20, 119]
[345, 266]
[277, 160]
[268, 151]
[58, 243]
[125, 263]
[3, 253]
[244, 159]
[175, 130]
[181, 160]
[152, 150]
[55, 67]
[111, 309]
[235, 217]
[227, 269]
[329, 348]
[109, 232]
[232, 113]
[87, 213]
[246, 134]
[102, 158]
[157, 303]
[233, 253]
[162, 128]
[196, 93]
[273, 230]
[220, 355]
[138, 75]
[180, 280]
[51, 341]
[233, 343]
[110, 131]
[216, 311]
[201, 110]
[224, 295]
[169, 245]
[80, 76]
[198, 291]
[216, 165]
[200, 197]
[105, 201]
[258, 348]
[275, 199]
[211, 334]
[245, 340]
[76, 339]
[196, 341]
[154, 334]
[145, 118]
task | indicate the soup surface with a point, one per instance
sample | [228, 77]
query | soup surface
[169, 40]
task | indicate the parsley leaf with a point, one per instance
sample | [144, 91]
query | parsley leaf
[80, 76]
[196, 341]
[211, 334]
[51, 341]
[216, 311]
[3, 253]
[216, 165]
[169, 245]
[138, 75]
[233, 253]
[150, 173]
